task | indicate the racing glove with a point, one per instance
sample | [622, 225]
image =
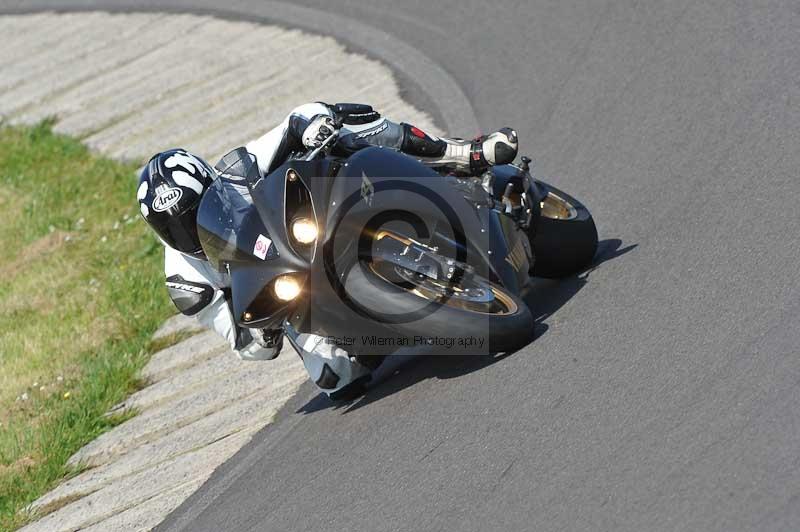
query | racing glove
[318, 130]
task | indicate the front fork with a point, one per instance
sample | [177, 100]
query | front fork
[514, 188]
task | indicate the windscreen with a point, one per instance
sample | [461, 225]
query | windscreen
[228, 224]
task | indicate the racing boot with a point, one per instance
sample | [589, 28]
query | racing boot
[474, 156]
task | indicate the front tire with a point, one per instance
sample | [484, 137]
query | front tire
[503, 332]
[566, 237]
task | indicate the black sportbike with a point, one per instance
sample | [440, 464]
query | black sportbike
[378, 251]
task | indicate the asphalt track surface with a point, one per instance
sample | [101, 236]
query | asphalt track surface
[663, 389]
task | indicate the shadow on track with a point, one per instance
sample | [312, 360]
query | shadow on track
[545, 296]
[400, 371]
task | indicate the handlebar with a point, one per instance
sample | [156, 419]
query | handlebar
[340, 113]
[313, 153]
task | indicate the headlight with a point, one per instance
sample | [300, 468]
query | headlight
[304, 230]
[286, 287]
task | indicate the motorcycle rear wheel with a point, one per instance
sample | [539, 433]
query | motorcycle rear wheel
[566, 237]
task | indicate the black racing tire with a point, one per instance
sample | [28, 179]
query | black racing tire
[563, 247]
[503, 332]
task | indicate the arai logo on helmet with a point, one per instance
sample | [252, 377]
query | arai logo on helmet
[166, 198]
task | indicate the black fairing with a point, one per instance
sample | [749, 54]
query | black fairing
[230, 226]
[377, 180]
[346, 196]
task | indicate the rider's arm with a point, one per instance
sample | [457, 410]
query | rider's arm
[272, 148]
[198, 290]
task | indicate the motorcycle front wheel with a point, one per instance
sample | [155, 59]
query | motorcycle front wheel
[419, 305]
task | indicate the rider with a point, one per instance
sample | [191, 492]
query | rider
[172, 183]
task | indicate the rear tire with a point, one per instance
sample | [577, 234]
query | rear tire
[561, 246]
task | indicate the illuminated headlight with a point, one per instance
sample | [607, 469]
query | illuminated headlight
[286, 288]
[304, 230]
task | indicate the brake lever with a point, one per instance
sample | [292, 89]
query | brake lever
[338, 121]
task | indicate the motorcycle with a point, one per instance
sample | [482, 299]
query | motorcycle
[376, 251]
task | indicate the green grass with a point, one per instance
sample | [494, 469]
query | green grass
[81, 292]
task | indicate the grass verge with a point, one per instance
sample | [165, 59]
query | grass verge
[81, 292]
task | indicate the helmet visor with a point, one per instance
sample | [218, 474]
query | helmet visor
[180, 232]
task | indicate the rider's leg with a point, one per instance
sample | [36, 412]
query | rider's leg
[474, 155]
[330, 367]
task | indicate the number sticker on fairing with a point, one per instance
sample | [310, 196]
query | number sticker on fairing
[262, 246]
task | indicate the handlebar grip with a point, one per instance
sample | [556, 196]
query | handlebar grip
[352, 108]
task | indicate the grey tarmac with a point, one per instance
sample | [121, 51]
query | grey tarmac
[662, 390]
